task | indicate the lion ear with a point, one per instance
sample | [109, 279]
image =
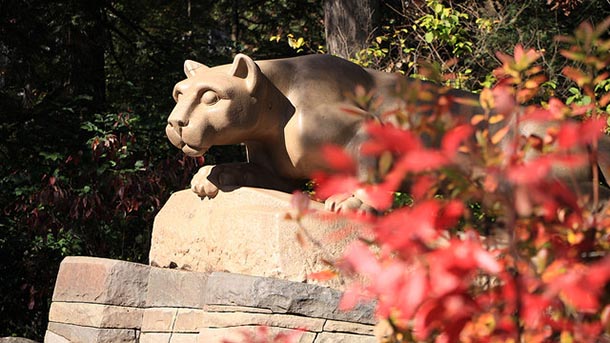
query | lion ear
[191, 66]
[245, 68]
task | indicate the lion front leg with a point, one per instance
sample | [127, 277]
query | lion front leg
[205, 182]
[209, 180]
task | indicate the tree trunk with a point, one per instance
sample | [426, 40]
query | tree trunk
[87, 43]
[349, 25]
[235, 21]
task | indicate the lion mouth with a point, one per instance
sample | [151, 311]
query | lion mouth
[176, 138]
[193, 152]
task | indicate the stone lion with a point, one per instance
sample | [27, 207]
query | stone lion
[284, 111]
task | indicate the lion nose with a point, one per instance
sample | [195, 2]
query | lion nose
[177, 121]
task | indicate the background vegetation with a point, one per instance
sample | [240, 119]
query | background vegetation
[85, 89]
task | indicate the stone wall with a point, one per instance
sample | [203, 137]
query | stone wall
[102, 300]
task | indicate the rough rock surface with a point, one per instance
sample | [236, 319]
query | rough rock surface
[242, 231]
[101, 280]
[281, 296]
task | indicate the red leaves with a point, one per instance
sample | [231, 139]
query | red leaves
[521, 61]
[434, 277]
[535, 171]
[427, 290]
[408, 228]
[328, 185]
[578, 285]
[362, 259]
[338, 160]
[422, 160]
[572, 134]
[389, 138]
[323, 275]
[379, 196]
[409, 157]
[405, 229]
[454, 138]
[577, 75]
[450, 266]
[524, 57]
[262, 334]
[422, 276]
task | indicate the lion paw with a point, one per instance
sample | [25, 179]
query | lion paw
[346, 202]
[225, 177]
[202, 183]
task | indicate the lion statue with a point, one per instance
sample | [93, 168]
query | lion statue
[284, 111]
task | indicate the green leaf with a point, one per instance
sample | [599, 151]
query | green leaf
[438, 8]
[300, 42]
[53, 156]
[429, 37]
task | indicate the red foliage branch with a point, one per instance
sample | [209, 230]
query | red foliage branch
[536, 269]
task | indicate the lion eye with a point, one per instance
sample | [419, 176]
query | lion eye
[177, 95]
[210, 97]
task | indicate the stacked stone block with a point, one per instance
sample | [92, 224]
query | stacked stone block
[101, 300]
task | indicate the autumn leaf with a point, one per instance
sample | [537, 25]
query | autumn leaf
[578, 285]
[534, 171]
[592, 128]
[359, 256]
[338, 159]
[323, 275]
[534, 309]
[454, 138]
[413, 292]
[449, 215]
[379, 196]
[504, 100]
[405, 227]
[477, 119]
[572, 134]
[568, 135]
[499, 135]
[389, 138]
[576, 75]
[300, 202]
[327, 185]
[352, 296]
[423, 186]
[421, 160]
[524, 57]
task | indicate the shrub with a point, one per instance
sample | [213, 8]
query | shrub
[491, 248]
[95, 196]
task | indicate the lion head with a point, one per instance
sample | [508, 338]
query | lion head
[214, 106]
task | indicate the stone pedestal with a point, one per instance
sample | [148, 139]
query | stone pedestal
[243, 231]
[195, 290]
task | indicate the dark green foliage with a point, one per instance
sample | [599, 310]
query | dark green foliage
[85, 89]
[462, 37]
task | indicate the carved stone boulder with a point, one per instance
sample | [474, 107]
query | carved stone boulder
[243, 231]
